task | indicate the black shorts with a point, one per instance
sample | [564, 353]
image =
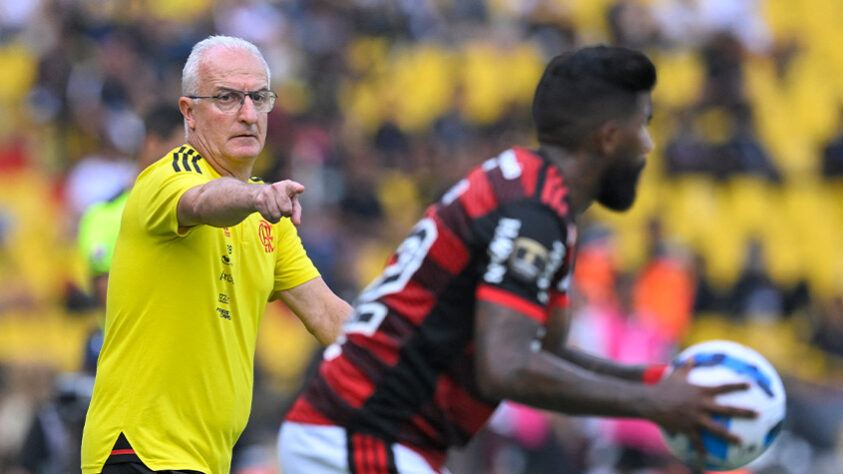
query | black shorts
[136, 468]
[123, 460]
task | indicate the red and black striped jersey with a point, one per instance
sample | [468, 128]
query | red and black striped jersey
[403, 369]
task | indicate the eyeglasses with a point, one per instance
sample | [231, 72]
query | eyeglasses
[231, 100]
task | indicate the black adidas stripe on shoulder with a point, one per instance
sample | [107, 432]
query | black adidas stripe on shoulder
[186, 159]
[255, 179]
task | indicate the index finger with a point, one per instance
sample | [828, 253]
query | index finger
[733, 411]
[295, 214]
[728, 387]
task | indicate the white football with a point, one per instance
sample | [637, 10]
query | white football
[720, 362]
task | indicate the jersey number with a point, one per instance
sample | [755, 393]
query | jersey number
[369, 313]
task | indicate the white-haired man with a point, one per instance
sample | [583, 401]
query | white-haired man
[202, 248]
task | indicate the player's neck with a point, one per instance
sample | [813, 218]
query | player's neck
[579, 172]
[235, 168]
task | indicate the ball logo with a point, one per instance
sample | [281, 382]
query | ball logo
[736, 365]
[265, 234]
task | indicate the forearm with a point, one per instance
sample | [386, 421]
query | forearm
[633, 373]
[555, 341]
[546, 381]
[321, 311]
[327, 328]
[221, 202]
[510, 365]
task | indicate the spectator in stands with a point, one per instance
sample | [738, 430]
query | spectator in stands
[832, 154]
[690, 23]
[828, 329]
[391, 143]
[101, 175]
[451, 128]
[743, 152]
[755, 295]
[687, 152]
[723, 59]
[663, 292]
[707, 298]
[52, 440]
[632, 25]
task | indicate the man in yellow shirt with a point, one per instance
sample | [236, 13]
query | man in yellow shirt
[202, 248]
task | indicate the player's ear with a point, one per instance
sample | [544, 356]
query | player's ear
[186, 105]
[608, 137]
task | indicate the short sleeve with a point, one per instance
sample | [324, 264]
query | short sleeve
[292, 265]
[158, 192]
[525, 252]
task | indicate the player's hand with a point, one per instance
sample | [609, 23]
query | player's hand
[687, 408]
[280, 199]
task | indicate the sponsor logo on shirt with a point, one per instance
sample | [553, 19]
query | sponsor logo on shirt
[528, 259]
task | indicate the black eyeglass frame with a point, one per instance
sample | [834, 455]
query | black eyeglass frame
[243, 94]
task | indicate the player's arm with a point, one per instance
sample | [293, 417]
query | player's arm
[227, 201]
[555, 341]
[321, 311]
[511, 364]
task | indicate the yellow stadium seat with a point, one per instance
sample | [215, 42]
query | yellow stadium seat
[811, 212]
[19, 66]
[749, 200]
[590, 16]
[710, 326]
[690, 203]
[680, 78]
[178, 11]
[49, 337]
[39, 253]
[785, 260]
[422, 84]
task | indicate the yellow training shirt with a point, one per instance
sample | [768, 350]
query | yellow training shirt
[183, 310]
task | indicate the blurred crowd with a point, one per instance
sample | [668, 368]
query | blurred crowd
[382, 105]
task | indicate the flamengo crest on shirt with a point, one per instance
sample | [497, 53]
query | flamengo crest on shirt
[265, 234]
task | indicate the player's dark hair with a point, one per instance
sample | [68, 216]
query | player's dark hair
[582, 89]
[162, 120]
